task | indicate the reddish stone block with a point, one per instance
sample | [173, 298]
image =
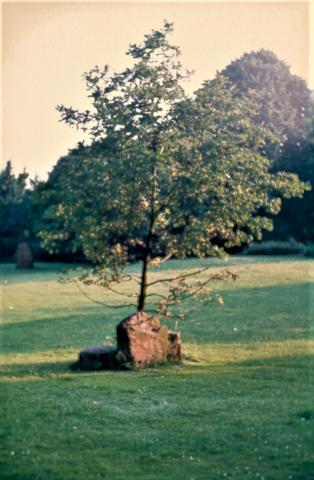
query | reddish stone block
[142, 340]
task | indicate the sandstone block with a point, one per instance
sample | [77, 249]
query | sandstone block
[142, 340]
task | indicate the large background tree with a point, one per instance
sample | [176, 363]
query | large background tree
[63, 181]
[284, 99]
[286, 108]
[165, 174]
[296, 219]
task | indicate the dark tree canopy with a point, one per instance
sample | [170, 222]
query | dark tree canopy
[166, 174]
[283, 97]
[296, 219]
[286, 108]
[15, 209]
[64, 183]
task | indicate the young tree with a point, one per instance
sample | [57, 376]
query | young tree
[165, 175]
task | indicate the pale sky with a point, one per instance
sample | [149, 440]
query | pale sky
[46, 47]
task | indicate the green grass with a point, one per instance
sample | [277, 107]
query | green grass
[240, 406]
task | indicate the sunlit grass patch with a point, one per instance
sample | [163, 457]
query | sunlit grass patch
[223, 353]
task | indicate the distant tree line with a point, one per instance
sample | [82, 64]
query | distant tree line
[16, 215]
[285, 108]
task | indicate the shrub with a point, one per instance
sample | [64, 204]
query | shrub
[290, 247]
[310, 250]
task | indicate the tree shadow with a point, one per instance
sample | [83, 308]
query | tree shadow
[35, 370]
[303, 470]
[75, 330]
[255, 368]
[41, 272]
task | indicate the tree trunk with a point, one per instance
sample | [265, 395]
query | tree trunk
[148, 246]
[147, 257]
[142, 295]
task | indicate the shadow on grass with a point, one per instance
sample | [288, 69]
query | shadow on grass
[41, 272]
[9, 476]
[303, 470]
[30, 370]
[274, 313]
[257, 368]
[50, 271]
[284, 361]
[71, 331]
[234, 260]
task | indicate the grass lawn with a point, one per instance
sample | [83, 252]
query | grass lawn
[240, 406]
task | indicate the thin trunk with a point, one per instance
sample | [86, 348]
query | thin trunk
[143, 289]
[148, 243]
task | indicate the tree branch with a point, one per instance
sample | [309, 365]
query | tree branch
[165, 280]
[132, 295]
[215, 277]
[128, 278]
[101, 303]
[157, 295]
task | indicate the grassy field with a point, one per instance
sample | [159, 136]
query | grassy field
[240, 406]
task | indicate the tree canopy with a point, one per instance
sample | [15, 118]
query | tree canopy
[15, 209]
[296, 219]
[166, 174]
[286, 108]
[284, 99]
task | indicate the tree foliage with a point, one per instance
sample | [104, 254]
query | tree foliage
[64, 180]
[284, 99]
[286, 108]
[296, 219]
[15, 210]
[164, 174]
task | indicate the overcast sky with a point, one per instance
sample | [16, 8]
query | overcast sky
[47, 47]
